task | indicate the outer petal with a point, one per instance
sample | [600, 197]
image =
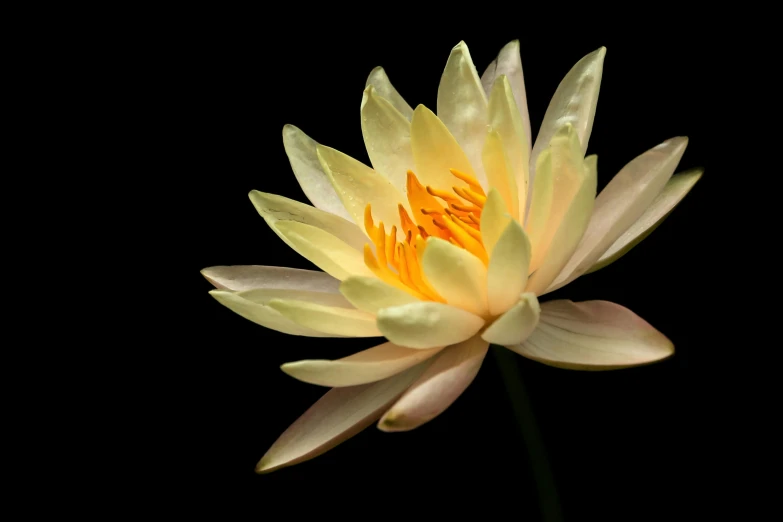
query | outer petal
[508, 269]
[505, 118]
[447, 377]
[370, 365]
[264, 315]
[676, 189]
[328, 319]
[568, 234]
[516, 324]
[324, 250]
[300, 149]
[387, 137]
[621, 203]
[371, 294]
[509, 64]
[593, 335]
[274, 208]
[457, 275]
[494, 220]
[380, 81]
[249, 277]
[574, 102]
[339, 415]
[358, 185]
[435, 151]
[427, 324]
[462, 106]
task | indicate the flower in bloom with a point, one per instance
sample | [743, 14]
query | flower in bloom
[447, 244]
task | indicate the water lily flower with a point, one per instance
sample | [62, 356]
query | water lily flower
[447, 244]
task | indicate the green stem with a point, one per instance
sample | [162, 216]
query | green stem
[528, 428]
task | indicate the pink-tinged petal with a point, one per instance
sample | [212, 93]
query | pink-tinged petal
[300, 149]
[249, 277]
[339, 415]
[509, 63]
[371, 365]
[676, 189]
[450, 373]
[621, 203]
[593, 335]
[264, 315]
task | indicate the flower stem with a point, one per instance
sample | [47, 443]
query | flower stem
[528, 428]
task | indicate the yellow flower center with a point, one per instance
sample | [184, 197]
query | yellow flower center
[437, 213]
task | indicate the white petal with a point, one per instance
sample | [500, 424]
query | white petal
[370, 365]
[274, 208]
[371, 294]
[328, 319]
[508, 269]
[450, 373]
[574, 102]
[387, 137]
[380, 81]
[358, 185]
[300, 149]
[457, 275]
[264, 315]
[568, 234]
[324, 250]
[339, 415]
[504, 117]
[516, 324]
[593, 335]
[676, 189]
[435, 151]
[249, 277]
[621, 203]
[509, 64]
[462, 106]
[494, 220]
[427, 324]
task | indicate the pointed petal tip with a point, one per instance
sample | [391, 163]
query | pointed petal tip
[263, 466]
[392, 422]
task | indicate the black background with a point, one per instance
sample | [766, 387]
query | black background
[624, 445]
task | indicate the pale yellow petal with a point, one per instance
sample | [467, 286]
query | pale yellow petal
[264, 315]
[328, 319]
[380, 81]
[337, 416]
[676, 189]
[450, 373]
[574, 103]
[324, 250]
[508, 269]
[505, 118]
[462, 106]
[593, 335]
[509, 64]
[427, 324]
[371, 294]
[540, 204]
[569, 233]
[367, 366]
[274, 208]
[499, 173]
[516, 324]
[249, 277]
[387, 137]
[457, 275]
[621, 203]
[494, 219]
[300, 149]
[435, 151]
[358, 185]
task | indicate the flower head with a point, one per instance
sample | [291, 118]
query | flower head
[447, 244]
